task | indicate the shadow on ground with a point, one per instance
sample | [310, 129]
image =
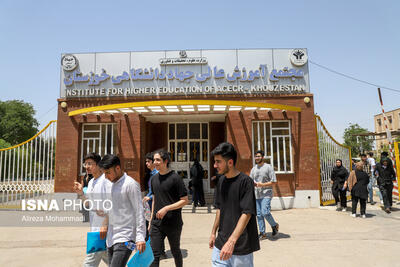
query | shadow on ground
[280, 235]
[169, 253]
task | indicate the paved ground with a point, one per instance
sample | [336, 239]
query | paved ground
[308, 237]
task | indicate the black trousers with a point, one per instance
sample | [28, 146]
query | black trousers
[198, 195]
[354, 202]
[339, 195]
[118, 255]
[158, 234]
[387, 194]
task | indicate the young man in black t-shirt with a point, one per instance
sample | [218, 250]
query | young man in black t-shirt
[235, 219]
[169, 196]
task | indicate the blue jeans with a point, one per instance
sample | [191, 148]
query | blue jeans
[370, 189]
[234, 261]
[264, 211]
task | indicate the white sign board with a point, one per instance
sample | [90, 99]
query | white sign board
[192, 72]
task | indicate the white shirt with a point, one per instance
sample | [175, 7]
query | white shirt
[126, 218]
[371, 162]
[98, 191]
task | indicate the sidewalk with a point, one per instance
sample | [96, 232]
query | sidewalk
[308, 237]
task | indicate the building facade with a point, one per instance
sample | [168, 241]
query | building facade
[393, 117]
[131, 103]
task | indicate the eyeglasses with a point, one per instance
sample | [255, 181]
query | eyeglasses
[88, 164]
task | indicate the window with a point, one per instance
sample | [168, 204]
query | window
[379, 122]
[390, 119]
[274, 138]
[100, 138]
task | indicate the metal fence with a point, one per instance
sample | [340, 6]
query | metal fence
[328, 151]
[27, 169]
[396, 191]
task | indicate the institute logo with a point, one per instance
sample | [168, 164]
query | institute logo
[69, 62]
[298, 57]
[182, 54]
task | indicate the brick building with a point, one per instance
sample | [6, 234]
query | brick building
[393, 117]
[131, 103]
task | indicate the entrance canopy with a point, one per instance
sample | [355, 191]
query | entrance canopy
[181, 107]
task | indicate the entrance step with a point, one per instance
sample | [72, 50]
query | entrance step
[201, 210]
[208, 197]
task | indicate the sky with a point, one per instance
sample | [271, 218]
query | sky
[357, 38]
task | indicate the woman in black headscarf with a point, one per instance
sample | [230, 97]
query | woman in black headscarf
[338, 177]
[358, 182]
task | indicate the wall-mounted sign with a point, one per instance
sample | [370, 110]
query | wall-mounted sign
[69, 62]
[256, 71]
[179, 61]
[298, 57]
[145, 74]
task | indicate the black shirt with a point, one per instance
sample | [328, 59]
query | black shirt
[167, 190]
[235, 196]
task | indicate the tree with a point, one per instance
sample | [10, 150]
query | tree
[17, 122]
[4, 144]
[363, 143]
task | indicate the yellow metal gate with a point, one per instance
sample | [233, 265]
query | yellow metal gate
[328, 151]
[397, 155]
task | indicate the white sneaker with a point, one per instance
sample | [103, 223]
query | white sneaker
[344, 209]
[363, 216]
[353, 215]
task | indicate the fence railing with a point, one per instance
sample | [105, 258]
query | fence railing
[328, 151]
[396, 190]
[27, 169]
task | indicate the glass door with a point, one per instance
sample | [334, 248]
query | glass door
[186, 142]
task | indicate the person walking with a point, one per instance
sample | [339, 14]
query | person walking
[169, 196]
[338, 177]
[386, 176]
[357, 183]
[126, 221]
[372, 184]
[197, 175]
[235, 218]
[367, 169]
[98, 190]
[264, 178]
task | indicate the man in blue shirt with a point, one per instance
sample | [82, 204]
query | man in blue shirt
[153, 170]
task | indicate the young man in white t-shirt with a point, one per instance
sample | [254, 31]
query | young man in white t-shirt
[126, 221]
[97, 191]
[371, 162]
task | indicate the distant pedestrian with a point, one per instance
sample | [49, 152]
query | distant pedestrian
[196, 176]
[357, 183]
[338, 177]
[386, 176]
[372, 181]
[264, 178]
[367, 169]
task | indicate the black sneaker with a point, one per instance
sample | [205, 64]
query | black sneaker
[262, 236]
[163, 256]
[387, 210]
[275, 230]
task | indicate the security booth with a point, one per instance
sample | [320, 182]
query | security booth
[132, 103]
